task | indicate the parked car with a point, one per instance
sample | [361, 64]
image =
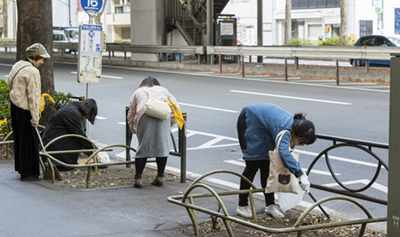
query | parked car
[376, 40]
[59, 37]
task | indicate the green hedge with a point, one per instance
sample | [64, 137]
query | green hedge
[59, 97]
[123, 41]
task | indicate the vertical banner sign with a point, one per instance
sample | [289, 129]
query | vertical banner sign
[397, 20]
[90, 53]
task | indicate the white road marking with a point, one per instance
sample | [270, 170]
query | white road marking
[112, 77]
[122, 123]
[210, 108]
[242, 164]
[341, 159]
[291, 97]
[375, 185]
[99, 117]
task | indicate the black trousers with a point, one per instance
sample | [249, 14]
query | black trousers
[140, 163]
[252, 167]
[26, 142]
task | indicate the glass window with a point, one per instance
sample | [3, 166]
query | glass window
[119, 10]
[312, 3]
[395, 40]
[73, 34]
[335, 31]
[332, 3]
[303, 3]
[315, 31]
[367, 41]
[321, 3]
[295, 4]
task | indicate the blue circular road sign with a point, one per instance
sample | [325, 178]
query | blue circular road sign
[91, 5]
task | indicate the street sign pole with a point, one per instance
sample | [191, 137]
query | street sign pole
[90, 49]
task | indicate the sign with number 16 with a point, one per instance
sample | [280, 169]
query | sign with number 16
[91, 5]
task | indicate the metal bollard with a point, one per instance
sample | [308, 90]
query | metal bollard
[220, 63]
[337, 73]
[242, 67]
[286, 70]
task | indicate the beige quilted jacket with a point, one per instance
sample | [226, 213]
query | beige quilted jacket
[25, 89]
[139, 99]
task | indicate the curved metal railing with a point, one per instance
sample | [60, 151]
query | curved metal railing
[365, 146]
[297, 227]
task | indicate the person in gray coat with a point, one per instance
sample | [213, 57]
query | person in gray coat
[153, 133]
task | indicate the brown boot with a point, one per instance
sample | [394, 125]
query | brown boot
[158, 181]
[138, 183]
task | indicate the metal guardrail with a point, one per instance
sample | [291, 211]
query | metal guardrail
[328, 52]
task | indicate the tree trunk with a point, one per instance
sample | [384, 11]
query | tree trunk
[5, 17]
[35, 25]
[342, 33]
[288, 21]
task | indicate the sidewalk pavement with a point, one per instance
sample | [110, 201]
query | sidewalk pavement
[43, 209]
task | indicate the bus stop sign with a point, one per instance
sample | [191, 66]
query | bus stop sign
[91, 5]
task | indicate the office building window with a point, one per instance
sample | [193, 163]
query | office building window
[312, 4]
[119, 10]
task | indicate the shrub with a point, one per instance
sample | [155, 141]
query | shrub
[5, 113]
[334, 41]
[298, 41]
[6, 39]
[123, 41]
[61, 99]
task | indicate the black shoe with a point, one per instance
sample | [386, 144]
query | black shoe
[31, 178]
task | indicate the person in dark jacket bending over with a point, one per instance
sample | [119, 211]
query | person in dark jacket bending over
[258, 125]
[69, 120]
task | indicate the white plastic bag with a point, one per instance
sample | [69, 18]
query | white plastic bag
[104, 157]
[289, 200]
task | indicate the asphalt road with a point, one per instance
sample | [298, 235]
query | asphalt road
[213, 102]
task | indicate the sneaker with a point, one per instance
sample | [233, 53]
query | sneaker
[274, 211]
[244, 212]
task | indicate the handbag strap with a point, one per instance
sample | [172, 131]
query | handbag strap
[279, 137]
[12, 80]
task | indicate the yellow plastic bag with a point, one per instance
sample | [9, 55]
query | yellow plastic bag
[177, 114]
[42, 102]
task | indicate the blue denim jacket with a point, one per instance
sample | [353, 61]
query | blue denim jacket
[263, 123]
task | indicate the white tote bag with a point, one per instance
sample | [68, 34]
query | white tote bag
[157, 108]
[280, 179]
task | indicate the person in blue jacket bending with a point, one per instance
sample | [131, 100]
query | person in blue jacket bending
[258, 125]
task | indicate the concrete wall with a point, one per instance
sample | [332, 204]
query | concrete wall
[147, 25]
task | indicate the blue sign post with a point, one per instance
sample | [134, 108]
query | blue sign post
[91, 5]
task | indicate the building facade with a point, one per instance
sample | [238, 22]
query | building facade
[314, 19]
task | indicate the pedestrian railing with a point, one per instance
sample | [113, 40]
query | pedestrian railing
[187, 198]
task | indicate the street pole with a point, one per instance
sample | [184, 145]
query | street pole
[393, 212]
[259, 27]
[69, 12]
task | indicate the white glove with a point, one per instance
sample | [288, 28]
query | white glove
[304, 183]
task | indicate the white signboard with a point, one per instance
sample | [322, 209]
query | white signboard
[90, 53]
[226, 28]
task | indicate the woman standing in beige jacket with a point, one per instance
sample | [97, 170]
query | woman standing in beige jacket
[24, 86]
[153, 134]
